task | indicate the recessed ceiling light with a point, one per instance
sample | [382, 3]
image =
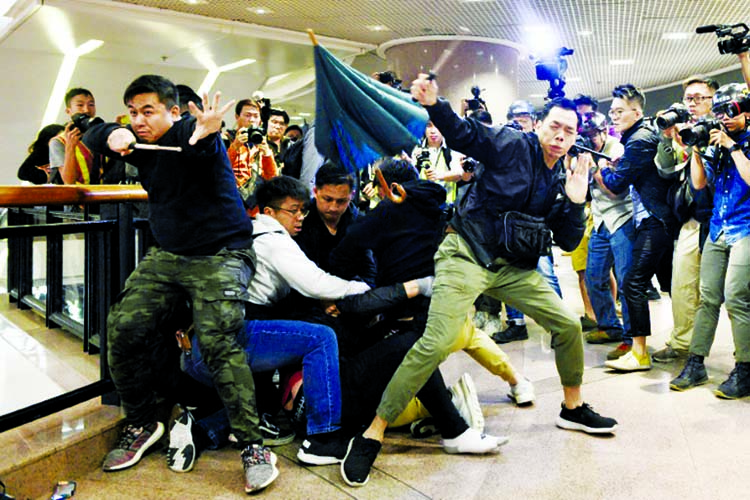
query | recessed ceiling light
[464, 29]
[676, 35]
[194, 2]
[378, 27]
[261, 11]
[304, 114]
[536, 96]
[621, 62]
[585, 33]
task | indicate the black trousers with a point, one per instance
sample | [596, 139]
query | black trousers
[652, 255]
[365, 376]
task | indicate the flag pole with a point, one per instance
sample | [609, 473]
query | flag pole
[311, 34]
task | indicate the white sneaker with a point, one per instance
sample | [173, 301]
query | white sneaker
[523, 392]
[629, 363]
[474, 442]
[466, 400]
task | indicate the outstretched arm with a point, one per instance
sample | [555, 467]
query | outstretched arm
[209, 119]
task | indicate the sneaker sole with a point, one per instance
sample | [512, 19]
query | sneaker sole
[471, 397]
[275, 474]
[343, 473]
[722, 395]
[682, 389]
[310, 459]
[281, 441]
[575, 426]
[628, 370]
[181, 441]
[137, 457]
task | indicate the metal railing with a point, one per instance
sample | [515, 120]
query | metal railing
[111, 251]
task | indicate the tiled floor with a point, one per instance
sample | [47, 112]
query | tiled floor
[687, 445]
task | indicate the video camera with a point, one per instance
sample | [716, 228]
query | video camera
[699, 134]
[83, 122]
[677, 113]
[552, 69]
[469, 165]
[477, 102]
[734, 108]
[738, 41]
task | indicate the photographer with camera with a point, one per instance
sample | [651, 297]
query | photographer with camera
[523, 114]
[249, 154]
[71, 162]
[724, 170]
[437, 163]
[654, 223]
[682, 121]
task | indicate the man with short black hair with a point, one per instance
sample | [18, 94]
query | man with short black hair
[204, 253]
[585, 104]
[655, 225]
[71, 162]
[522, 185]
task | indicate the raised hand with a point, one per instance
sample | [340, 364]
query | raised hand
[577, 180]
[209, 120]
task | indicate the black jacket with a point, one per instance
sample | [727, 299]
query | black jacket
[403, 237]
[637, 167]
[515, 178]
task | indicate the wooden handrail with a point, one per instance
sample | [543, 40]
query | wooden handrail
[31, 196]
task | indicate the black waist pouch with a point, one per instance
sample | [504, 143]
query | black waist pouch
[522, 238]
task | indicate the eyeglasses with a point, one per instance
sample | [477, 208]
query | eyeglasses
[295, 213]
[697, 99]
[617, 113]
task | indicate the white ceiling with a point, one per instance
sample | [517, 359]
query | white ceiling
[199, 33]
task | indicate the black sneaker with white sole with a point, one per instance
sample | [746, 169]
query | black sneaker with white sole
[181, 451]
[584, 418]
[318, 450]
[273, 434]
[360, 455]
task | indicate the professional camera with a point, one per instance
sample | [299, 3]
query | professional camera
[477, 102]
[677, 113]
[83, 122]
[514, 125]
[254, 135]
[698, 134]
[423, 160]
[552, 69]
[582, 145]
[469, 165]
[738, 41]
[389, 78]
[733, 108]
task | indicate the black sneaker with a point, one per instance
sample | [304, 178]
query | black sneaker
[423, 428]
[360, 455]
[327, 450]
[737, 385]
[584, 418]
[510, 334]
[274, 435]
[652, 293]
[692, 375]
[181, 451]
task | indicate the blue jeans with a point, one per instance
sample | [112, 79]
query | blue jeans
[606, 250]
[272, 344]
[545, 267]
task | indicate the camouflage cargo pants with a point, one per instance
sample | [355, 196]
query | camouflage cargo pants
[217, 288]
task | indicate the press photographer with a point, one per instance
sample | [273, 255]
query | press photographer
[249, 154]
[522, 114]
[724, 274]
[436, 162]
[71, 162]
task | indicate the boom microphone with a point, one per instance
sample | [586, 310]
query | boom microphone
[709, 28]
